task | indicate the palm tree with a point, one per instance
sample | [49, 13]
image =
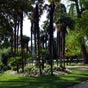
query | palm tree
[17, 42]
[38, 36]
[21, 35]
[50, 16]
[22, 8]
[13, 11]
[61, 23]
[51, 29]
[37, 11]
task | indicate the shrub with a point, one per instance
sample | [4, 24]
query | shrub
[6, 67]
[31, 70]
[13, 62]
[47, 70]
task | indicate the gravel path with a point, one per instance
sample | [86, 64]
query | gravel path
[78, 67]
[81, 85]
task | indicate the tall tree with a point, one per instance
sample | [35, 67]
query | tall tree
[51, 29]
[62, 21]
[81, 8]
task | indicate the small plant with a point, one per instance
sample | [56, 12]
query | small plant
[31, 70]
[46, 70]
[13, 62]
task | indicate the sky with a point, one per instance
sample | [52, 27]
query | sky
[27, 24]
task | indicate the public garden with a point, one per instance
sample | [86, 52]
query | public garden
[54, 55]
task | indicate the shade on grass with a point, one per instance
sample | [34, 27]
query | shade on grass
[61, 81]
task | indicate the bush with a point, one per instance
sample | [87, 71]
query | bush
[13, 62]
[31, 70]
[47, 70]
[6, 68]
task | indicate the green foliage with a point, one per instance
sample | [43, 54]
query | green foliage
[81, 27]
[13, 61]
[80, 34]
[56, 1]
[72, 11]
[4, 56]
[25, 39]
[6, 43]
[46, 70]
[67, 21]
[44, 52]
[83, 22]
[60, 11]
[72, 44]
[10, 10]
[4, 51]
[31, 70]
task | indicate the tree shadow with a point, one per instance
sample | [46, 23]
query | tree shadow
[44, 81]
[39, 82]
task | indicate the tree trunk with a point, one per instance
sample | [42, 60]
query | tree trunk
[21, 35]
[17, 36]
[15, 26]
[17, 39]
[38, 37]
[84, 53]
[63, 47]
[31, 41]
[12, 41]
[51, 28]
[35, 38]
[58, 48]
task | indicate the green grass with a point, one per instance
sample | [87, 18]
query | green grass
[61, 81]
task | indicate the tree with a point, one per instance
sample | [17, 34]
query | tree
[14, 11]
[51, 29]
[35, 17]
[62, 21]
[72, 44]
[79, 26]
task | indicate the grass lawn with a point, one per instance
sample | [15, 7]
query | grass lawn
[61, 81]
